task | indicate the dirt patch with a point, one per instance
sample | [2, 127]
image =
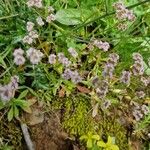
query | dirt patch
[46, 131]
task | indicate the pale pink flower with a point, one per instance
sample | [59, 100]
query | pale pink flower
[19, 60]
[34, 55]
[50, 18]
[40, 21]
[18, 51]
[33, 34]
[50, 9]
[30, 26]
[52, 59]
[73, 52]
[27, 39]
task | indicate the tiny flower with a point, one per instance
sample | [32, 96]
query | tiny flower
[30, 3]
[140, 94]
[148, 135]
[19, 60]
[106, 104]
[27, 39]
[145, 109]
[60, 56]
[137, 115]
[34, 55]
[52, 59]
[137, 57]
[39, 21]
[6, 93]
[75, 77]
[18, 51]
[125, 78]
[108, 70]
[145, 81]
[73, 52]
[50, 18]
[118, 6]
[50, 9]
[122, 26]
[121, 14]
[102, 89]
[96, 81]
[30, 26]
[105, 46]
[38, 3]
[113, 59]
[138, 68]
[130, 16]
[67, 74]
[33, 34]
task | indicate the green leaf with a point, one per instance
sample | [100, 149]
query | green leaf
[16, 111]
[21, 103]
[95, 137]
[72, 16]
[89, 143]
[1, 105]
[10, 114]
[23, 94]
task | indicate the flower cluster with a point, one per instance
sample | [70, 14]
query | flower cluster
[73, 52]
[138, 67]
[7, 91]
[34, 55]
[125, 78]
[18, 56]
[73, 75]
[122, 14]
[64, 60]
[140, 111]
[101, 45]
[36, 3]
[32, 34]
[145, 81]
[51, 17]
[110, 65]
[39, 21]
[102, 89]
[140, 94]
[52, 58]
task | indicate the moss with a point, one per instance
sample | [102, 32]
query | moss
[10, 133]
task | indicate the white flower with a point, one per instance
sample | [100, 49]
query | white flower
[30, 26]
[6, 93]
[50, 9]
[40, 21]
[52, 59]
[50, 18]
[34, 55]
[33, 34]
[73, 52]
[27, 39]
[18, 51]
[19, 60]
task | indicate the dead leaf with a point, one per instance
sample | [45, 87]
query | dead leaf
[95, 110]
[83, 89]
[62, 92]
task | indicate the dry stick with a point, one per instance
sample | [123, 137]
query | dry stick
[26, 135]
[109, 14]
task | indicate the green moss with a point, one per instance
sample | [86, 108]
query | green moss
[10, 133]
